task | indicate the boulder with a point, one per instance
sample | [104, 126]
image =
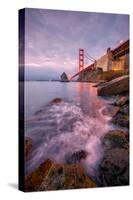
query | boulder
[115, 139]
[100, 83]
[63, 176]
[64, 77]
[122, 100]
[75, 157]
[34, 180]
[114, 168]
[56, 101]
[110, 110]
[114, 87]
[125, 109]
[121, 119]
[53, 176]
[27, 147]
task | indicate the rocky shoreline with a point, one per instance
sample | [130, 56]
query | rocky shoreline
[114, 167]
[53, 176]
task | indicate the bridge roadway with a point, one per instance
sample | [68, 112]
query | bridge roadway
[87, 69]
[117, 52]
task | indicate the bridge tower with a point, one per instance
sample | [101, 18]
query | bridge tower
[81, 59]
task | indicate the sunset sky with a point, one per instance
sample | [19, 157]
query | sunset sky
[53, 38]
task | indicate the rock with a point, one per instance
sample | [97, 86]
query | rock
[100, 83]
[115, 139]
[64, 77]
[76, 157]
[56, 100]
[114, 168]
[114, 87]
[110, 110]
[27, 147]
[63, 176]
[122, 100]
[38, 112]
[121, 120]
[52, 176]
[124, 109]
[34, 180]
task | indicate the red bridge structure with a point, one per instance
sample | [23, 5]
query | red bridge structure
[121, 50]
[83, 68]
[81, 59]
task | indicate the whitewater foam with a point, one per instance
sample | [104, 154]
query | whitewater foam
[64, 128]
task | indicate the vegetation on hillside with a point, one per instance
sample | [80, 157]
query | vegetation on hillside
[98, 75]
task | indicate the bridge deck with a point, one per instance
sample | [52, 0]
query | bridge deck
[89, 68]
[117, 52]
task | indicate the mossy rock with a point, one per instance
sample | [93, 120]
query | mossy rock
[34, 180]
[28, 143]
[53, 176]
[64, 176]
[115, 139]
[121, 120]
[114, 168]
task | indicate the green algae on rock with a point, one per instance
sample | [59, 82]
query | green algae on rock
[53, 176]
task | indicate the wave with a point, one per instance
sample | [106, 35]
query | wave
[61, 129]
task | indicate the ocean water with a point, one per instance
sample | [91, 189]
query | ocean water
[59, 130]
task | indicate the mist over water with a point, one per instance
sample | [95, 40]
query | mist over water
[75, 124]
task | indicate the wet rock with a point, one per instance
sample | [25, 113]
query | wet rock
[115, 139]
[125, 109]
[110, 110]
[122, 116]
[122, 100]
[34, 180]
[56, 100]
[27, 147]
[76, 157]
[64, 77]
[38, 112]
[114, 87]
[100, 83]
[52, 176]
[63, 176]
[121, 119]
[114, 168]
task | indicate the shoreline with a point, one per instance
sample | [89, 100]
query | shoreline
[119, 141]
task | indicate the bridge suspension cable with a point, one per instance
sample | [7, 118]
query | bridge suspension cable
[89, 56]
[83, 54]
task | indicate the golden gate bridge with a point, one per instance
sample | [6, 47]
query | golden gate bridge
[82, 68]
[117, 52]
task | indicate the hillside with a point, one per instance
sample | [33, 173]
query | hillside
[99, 75]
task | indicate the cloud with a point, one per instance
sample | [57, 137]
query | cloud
[54, 37]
